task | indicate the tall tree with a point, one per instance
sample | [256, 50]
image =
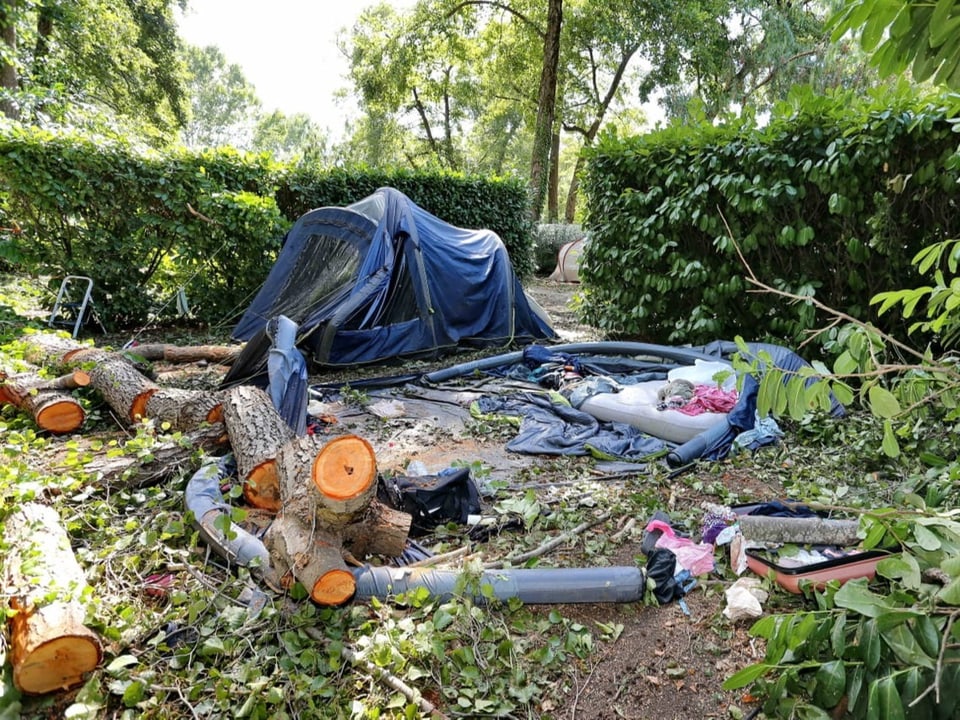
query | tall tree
[119, 59]
[224, 105]
[9, 76]
[289, 136]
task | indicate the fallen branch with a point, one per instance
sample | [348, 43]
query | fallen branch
[385, 676]
[549, 545]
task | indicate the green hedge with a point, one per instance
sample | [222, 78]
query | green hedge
[139, 223]
[144, 224]
[832, 198]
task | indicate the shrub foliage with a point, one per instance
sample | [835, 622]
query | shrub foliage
[831, 198]
[146, 224]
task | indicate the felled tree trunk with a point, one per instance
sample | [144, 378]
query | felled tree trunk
[51, 648]
[125, 388]
[165, 460]
[184, 409]
[220, 354]
[327, 491]
[257, 432]
[802, 531]
[129, 393]
[52, 407]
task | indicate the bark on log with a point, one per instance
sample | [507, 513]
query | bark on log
[50, 350]
[326, 482]
[184, 409]
[166, 460]
[380, 530]
[220, 354]
[52, 409]
[125, 388]
[257, 432]
[313, 557]
[51, 648]
[802, 531]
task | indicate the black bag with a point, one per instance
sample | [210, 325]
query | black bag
[432, 500]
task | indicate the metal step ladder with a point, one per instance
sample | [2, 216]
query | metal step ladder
[72, 304]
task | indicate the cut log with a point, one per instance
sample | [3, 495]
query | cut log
[220, 354]
[802, 531]
[184, 409]
[51, 407]
[311, 557]
[164, 461]
[51, 648]
[257, 432]
[125, 388]
[50, 350]
[326, 482]
[380, 530]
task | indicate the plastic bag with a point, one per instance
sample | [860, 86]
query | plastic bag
[695, 557]
[432, 500]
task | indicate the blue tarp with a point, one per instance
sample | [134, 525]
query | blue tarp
[385, 279]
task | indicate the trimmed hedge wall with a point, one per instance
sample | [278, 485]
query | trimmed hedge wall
[144, 224]
[832, 198]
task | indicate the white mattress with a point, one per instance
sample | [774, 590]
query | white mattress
[637, 405]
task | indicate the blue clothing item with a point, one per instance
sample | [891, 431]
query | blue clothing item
[287, 373]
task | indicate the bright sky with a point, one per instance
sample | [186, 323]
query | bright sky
[287, 49]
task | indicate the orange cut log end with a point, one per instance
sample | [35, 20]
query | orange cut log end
[59, 664]
[61, 417]
[334, 588]
[138, 410]
[261, 488]
[345, 468]
[216, 414]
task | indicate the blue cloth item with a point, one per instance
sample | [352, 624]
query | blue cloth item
[287, 373]
[765, 432]
[553, 427]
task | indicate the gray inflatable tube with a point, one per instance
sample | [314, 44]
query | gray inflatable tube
[675, 354]
[204, 499]
[533, 586]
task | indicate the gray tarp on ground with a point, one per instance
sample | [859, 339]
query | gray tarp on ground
[550, 427]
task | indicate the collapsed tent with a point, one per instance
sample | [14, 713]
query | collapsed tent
[384, 279]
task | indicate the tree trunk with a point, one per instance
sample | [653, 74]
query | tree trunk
[312, 557]
[257, 432]
[328, 483]
[52, 409]
[328, 508]
[184, 409]
[165, 459]
[546, 108]
[125, 388]
[130, 393]
[220, 354]
[802, 531]
[553, 187]
[9, 78]
[51, 648]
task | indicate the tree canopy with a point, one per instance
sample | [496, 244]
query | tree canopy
[93, 61]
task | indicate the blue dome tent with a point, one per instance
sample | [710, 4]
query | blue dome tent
[384, 279]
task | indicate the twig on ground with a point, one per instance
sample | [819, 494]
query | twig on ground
[549, 545]
[441, 558]
[385, 676]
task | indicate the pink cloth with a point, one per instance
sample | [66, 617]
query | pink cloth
[709, 398]
[695, 557]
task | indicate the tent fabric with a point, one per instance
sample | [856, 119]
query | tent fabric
[383, 279]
